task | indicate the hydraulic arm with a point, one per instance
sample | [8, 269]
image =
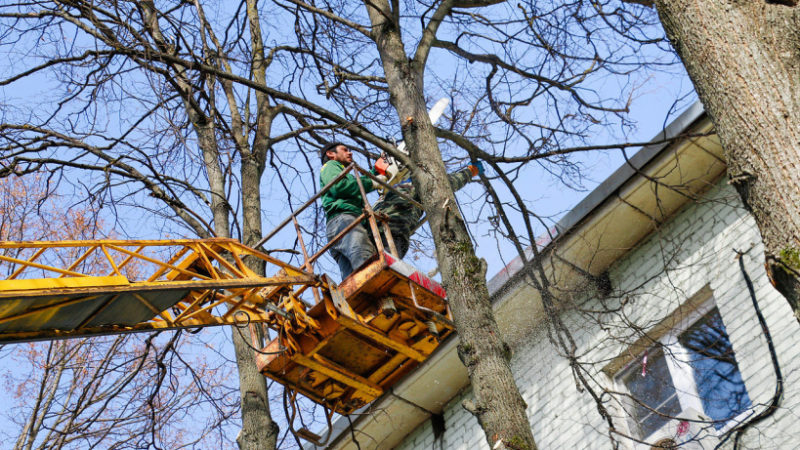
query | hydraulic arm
[341, 346]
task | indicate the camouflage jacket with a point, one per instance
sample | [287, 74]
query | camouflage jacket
[403, 216]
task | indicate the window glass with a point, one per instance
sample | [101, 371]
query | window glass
[654, 397]
[716, 374]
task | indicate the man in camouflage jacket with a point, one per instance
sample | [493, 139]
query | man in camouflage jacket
[404, 216]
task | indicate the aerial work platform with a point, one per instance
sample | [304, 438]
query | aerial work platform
[341, 352]
[381, 323]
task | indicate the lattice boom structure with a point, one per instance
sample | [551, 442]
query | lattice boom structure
[82, 288]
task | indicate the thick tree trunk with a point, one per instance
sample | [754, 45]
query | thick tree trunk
[743, 57]
[259, 431]
[498, 405]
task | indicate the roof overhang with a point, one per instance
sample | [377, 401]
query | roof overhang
[676, 168]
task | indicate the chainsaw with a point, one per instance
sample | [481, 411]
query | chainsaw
[394, 170]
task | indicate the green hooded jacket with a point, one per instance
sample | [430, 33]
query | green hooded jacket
[344, 196]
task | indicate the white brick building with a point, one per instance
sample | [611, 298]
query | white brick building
[664, 229]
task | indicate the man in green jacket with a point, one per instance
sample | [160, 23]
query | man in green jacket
[343, 204]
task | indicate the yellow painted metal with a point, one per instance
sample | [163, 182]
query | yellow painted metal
[342, 375]
[353, 351]
[83, 288]
[60, 283]
[381, 338]
[334, 344]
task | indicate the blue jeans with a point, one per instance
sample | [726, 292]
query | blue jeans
[354, 248]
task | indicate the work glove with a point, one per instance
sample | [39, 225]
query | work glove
[382, 178]
[476, 168]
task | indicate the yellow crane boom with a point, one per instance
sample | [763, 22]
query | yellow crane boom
[81, 288]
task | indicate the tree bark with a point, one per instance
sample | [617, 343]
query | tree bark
[743, 58]
[498, 405]
[259, 430]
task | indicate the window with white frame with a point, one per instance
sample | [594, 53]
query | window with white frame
[692, 368]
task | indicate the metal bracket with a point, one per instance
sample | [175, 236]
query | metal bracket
[277, 310]
[341, 303]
